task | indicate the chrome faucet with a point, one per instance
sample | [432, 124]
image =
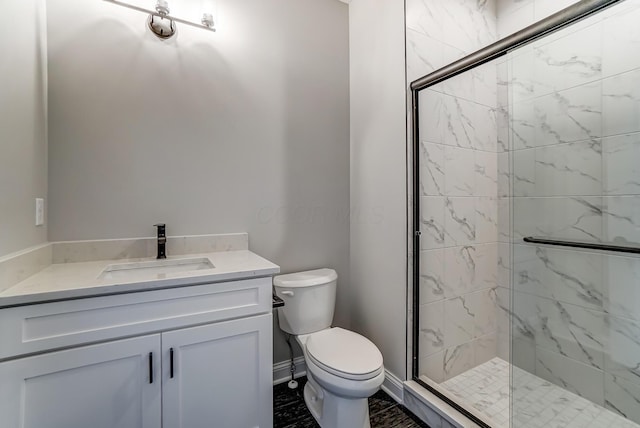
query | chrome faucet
[162, 241]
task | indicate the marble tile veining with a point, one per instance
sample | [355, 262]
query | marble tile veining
[458, 359]
[566, 276]
[570, 115]
[459, 321]
[572, 331]
[486, 213]
[621, 219]
[620, 166]
[569, 59]
[623, 294]
[461, 268]
[419, 64]
[432, 222]
[621, 103]
[470, 25]
[432, 164]
[576, 217]
[459, 172]
[568, 169]
[431, 328]
[432, 280]
[570, 375]
[623, 358]
[459, 221]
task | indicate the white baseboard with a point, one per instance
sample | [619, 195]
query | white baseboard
[282, 370]
[393, 386]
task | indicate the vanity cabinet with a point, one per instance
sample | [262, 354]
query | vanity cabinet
[222, 375]
[201, 357]
[99, 386]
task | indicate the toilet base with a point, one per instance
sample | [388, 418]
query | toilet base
[332, 411]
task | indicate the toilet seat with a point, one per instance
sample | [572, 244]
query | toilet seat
[339, 386]
[345, 354]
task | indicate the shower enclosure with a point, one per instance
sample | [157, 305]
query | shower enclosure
[526, 209]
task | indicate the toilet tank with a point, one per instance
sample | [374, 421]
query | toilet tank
[309, 300]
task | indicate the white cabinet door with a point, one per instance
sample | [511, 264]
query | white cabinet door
[110, 385]
[222, 375]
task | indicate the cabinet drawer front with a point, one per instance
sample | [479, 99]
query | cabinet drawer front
[37, 328]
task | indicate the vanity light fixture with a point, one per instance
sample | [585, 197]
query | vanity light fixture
[161, 23]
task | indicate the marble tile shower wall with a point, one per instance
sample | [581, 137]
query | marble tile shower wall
[575, 134]
[512, 16]
[458, 186]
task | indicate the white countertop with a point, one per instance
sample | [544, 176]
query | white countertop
[73, 280]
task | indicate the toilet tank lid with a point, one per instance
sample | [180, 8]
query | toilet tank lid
[305, 279]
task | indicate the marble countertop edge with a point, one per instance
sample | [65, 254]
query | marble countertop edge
[66, 281]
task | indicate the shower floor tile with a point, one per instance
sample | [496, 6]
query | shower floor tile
[538, 403]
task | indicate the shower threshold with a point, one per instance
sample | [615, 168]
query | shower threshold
[537, 402]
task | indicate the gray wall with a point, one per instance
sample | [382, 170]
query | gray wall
[241, 130]
[23, 144]
[378, 177]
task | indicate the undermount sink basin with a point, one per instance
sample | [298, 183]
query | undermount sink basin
[155, 268]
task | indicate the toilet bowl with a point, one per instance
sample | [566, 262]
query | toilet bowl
[343, 368]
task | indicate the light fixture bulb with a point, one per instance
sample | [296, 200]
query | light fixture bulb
[160, 24]
[162, 7]
[207, 20]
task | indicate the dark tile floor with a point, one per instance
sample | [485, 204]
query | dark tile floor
[290, 411]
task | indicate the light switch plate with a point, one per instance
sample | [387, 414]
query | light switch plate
[39, 211]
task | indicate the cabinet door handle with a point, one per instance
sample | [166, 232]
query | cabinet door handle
[171, 363]
[150, 367]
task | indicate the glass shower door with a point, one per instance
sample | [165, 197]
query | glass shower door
[574, 139]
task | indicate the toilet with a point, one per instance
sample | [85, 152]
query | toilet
[343, 368]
